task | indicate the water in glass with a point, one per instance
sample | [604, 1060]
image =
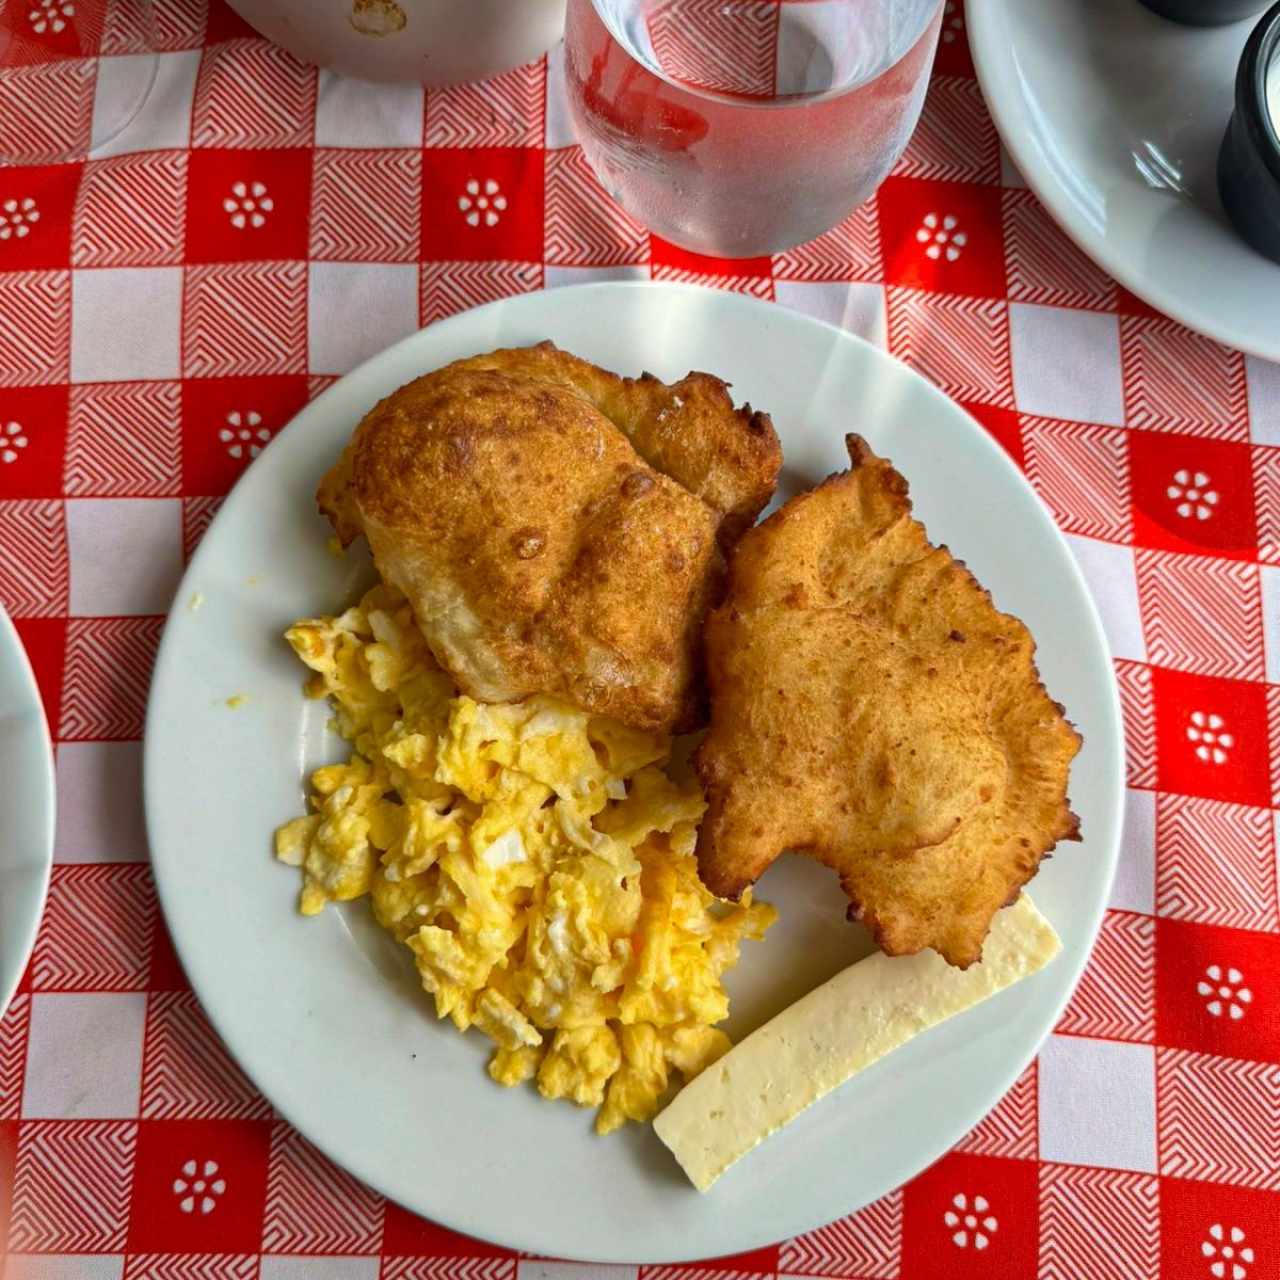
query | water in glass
[744, 127]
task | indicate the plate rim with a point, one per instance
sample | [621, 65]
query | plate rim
[991, 49]
[47, 819]
[901, 1170]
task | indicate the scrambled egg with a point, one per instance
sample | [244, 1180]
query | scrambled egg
[537, 861]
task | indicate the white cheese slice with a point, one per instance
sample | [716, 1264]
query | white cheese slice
[836, 1031]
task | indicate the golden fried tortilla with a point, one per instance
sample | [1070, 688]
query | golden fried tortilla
[540, 549]
[870, 706]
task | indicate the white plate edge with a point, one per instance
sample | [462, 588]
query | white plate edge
[47, 801]
[993, 66]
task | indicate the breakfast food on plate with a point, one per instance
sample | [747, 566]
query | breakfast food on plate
[565, 553]
[836, 1031]
[558, 529]
[871, 707]
[537, 861]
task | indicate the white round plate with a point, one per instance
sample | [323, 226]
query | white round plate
[326, 1014]
[1114, 117]
[26, 809]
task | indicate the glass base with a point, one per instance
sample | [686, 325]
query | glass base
[74, 74]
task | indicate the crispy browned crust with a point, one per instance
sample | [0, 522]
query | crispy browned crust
[870, 706]
[689, 430]
[557, 529]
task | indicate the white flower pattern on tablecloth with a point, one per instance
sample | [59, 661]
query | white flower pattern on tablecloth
[1191, 493]
[1206, 730]
[939, 236]
[12, 438]
[50, 15]
[18, 217]
[970, 1221]
[952, 23]
[482, 202]
[248, 204]
[198, 1189]
[1228, 1256]
[1224, 992]
[244, 433]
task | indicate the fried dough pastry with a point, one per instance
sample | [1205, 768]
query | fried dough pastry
[542, 550]
[688, 430]
[871, 707]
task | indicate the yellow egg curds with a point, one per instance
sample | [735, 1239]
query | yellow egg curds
[537, 861]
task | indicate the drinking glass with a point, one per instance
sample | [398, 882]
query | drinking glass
[73, 74]
[741, 128]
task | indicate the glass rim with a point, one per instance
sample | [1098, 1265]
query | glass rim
[762, 102]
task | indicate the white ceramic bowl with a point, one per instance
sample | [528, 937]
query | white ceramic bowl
[434, 42]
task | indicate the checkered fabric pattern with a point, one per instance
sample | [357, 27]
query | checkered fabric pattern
[166, 306]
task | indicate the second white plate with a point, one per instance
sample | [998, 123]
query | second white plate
[1114, 117]
[26, 808]
[326, 1014]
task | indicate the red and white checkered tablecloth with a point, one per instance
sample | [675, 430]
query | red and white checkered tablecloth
[155, 329]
